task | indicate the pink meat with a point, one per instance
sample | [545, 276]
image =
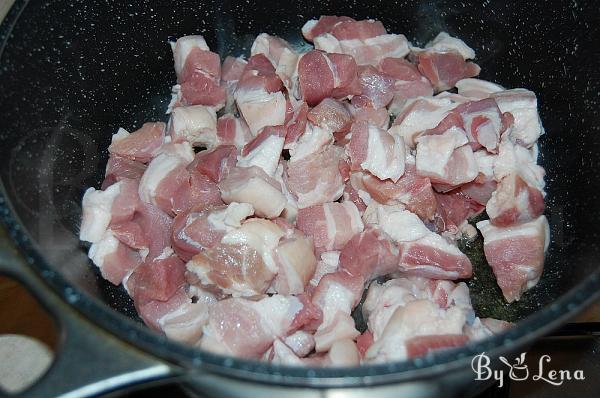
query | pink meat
[332, 115]
[516, 254]
[216, 163]
[413, 191]
[158, 279]
[348, 30]
[444, 69]
[454, 208]
[363, 342]
[331, 225]
[131, 234]
[296, 125]
[200, 89]
[126, 202]
[483, 122]
[421, 345]
[377, 88]
[514, 202]
[233, 131]
[232, 69]
[142, 144]
[203, 61]
[260, 73]
[270, 46]
[192, 232]
[369, 255]
[351, 195]
[433, 257]
[198, 190]
[296, 264]
[316, 178]
[119, 168]
[376, 117]
[157, 227]
[325, 24]
[114, 259]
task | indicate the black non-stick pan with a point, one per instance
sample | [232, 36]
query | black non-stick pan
[72, 72]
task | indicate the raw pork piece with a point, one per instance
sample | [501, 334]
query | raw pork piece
[231, 72]
[252, 185]
[216, 163]
[328, 263]
[296, 264]
[343, 353]
[330, 225]
[514, 202]
[165, 174]
[203, 228]
[295, 124]
[248, 328]
[336, 295]
[258, 95]
[119, 168]
[198, 73]
[316, 178]
[271, 47]
[411, 190]
[377, 117]
[196, 124]
[374, 150]
[114, 205]
[408, 82]
[233, 131]
[481, 188]
[516, 254]
[477, 88]
[331, 115]
[157, 279]
[522, 105]
[114, 259]
[515, 159]
[419, 115]
[444, 42]
[446, 159]
[179, 318]
[410, 317]
[454, 209]
[141, 145]
[156, 227]
[323, 75]
[377, 88]
[196, 190]
[243, 264]
[484, 123]
[264, 150]
[325, 24]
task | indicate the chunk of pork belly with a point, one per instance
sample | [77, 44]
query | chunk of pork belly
[157, 279]
[330, 225]
[252, 185]
[141, 145]
[374, 150]
[514, 202]
[119, 168]
[114, 259]
[408, 82]
[296, 263]
[522, 105]
[248, 328]
[324, 24]
[329, 262]
[331, 115]
[316, 178]
[232, 130]
[271, 47]
[203, 228]
[516, 254]
[296, 123]
[264, 150]
[196, 124]
[477, 88]
[444, 69]
[215, 164]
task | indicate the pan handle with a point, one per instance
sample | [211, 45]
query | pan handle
[88, 361]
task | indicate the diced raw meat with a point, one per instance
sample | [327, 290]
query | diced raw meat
[232, 131]
[328, 263]
[522, 105]
[376, 117]
[433, 257]
[445, 158]
[351, 194]
[131, 234]
[183, 54]
[247, 328]
[116, 204]
[260, 74]
[119, 168]
[198, 190]
[516, 254]
[314, 140]
[260, 108]
[290, 211]
[421, 345]
[203, 228]
[369, 255]
[420, 115]
[216, 163]
[141, 145]
[252, 185]
[114, 259]
[323, 75]
[157, 226]
[287, 71]
[196, 124]
[165, 174]
[454, 208]
[480, 190]
[444, 69]
[348, 30]
[325, 24]
[301, 342]
[484, 123]
[331, 115]
[374, 150]
[408, 82]
[444, 42]
[514, 202]
[201, 89]
[271, 46]
[158, 279]
[232, 69]
[377, 89]
[331, 225]
[399, 224]
[316, 178]
[412, 190]
[515, 159]
[296, 263]
[477, 88]
[336, 295]
[296, 126]
[264, 150]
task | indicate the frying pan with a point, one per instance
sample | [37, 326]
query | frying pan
[72, 72]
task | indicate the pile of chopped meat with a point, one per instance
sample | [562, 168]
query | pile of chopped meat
[279, 190]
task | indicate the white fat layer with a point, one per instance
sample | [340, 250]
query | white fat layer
[266, 155]
[266, 200]
[538, 227]
[97, 207]
[513, 158]
[231, 217]
[313, 139]
[329, 263]
[382, 161]
[522, 104]
[485, 162]
[401, 225]
[434, 151]
[197, 124]
[352, 212]
[119, 135]
[331, 225]
[261, 108]
[166, 253]
[277, 312]
[102, 248]
[444, 42]
[261, 235]
[328, 43]
[477, 88]
[183, 47]
[337, 298]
